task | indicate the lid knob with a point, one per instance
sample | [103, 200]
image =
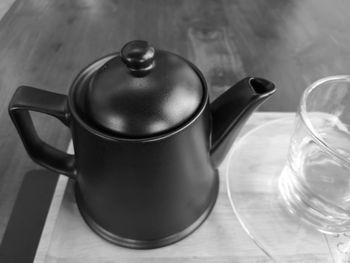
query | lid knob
[138, 56]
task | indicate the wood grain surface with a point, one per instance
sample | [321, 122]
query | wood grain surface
[45, 43]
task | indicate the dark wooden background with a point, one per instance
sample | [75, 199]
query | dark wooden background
[44, 43]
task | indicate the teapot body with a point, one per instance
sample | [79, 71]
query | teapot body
[145, 193]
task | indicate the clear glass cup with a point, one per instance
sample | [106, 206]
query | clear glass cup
[315, 183]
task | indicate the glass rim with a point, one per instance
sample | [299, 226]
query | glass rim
[303, 115]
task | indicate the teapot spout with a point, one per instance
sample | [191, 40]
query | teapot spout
[232, 109]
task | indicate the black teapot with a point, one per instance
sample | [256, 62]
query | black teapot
[147, 141]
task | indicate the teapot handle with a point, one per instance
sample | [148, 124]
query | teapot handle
[28, 99]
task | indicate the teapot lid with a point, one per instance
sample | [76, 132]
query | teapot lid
[142, 92]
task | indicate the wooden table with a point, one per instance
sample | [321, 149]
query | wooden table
[44, 43]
